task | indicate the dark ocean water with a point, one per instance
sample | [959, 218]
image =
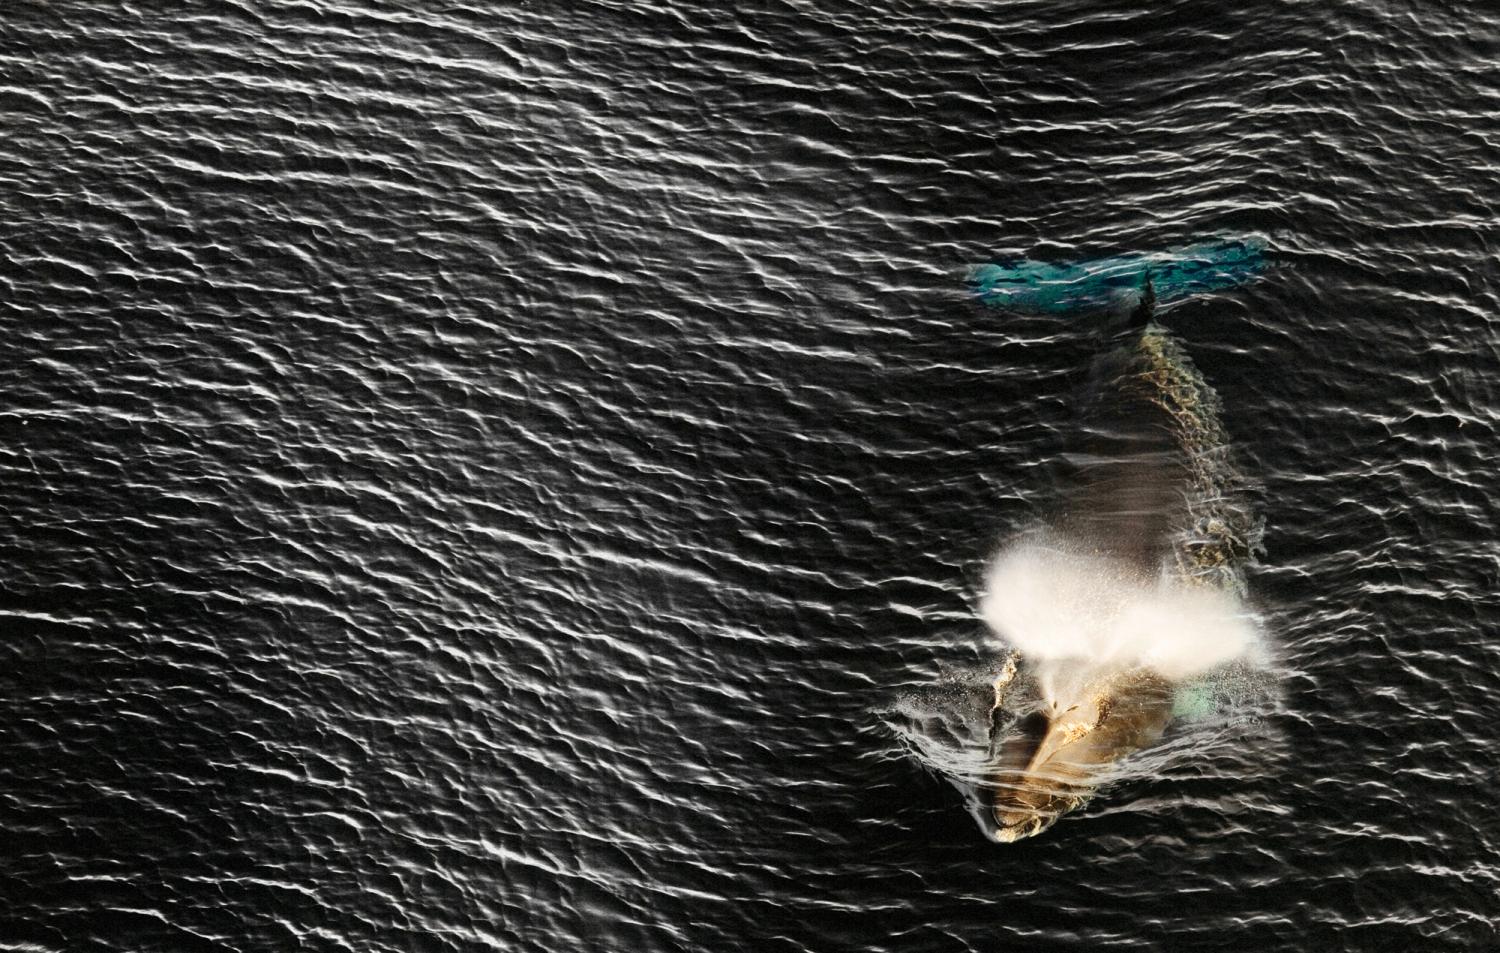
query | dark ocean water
[475, 476]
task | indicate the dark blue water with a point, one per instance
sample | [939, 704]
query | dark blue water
[476, 476]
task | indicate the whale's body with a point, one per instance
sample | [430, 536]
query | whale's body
[1133, 586]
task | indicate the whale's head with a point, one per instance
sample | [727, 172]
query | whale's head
[1050, 761]
[1031, 806]
[1018, 825]
[1043, 770]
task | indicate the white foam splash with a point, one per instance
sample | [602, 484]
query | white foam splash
[1053, 605]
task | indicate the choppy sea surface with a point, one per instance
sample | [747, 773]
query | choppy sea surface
[480, 476]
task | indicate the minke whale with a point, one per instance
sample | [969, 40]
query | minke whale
[1133, 586]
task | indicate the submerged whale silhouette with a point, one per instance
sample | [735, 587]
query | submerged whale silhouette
[1136, 584]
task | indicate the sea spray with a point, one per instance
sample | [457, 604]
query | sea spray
[1058, 606]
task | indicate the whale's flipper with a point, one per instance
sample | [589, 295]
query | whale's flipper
[1035, 287]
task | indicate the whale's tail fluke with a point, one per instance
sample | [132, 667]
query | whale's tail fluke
[1034, 287]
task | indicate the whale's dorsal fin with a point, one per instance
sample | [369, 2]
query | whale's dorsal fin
[1144, 311]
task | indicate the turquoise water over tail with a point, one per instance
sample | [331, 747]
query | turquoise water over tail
[1036, 287]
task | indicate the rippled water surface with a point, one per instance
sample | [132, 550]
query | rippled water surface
[479, 476]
